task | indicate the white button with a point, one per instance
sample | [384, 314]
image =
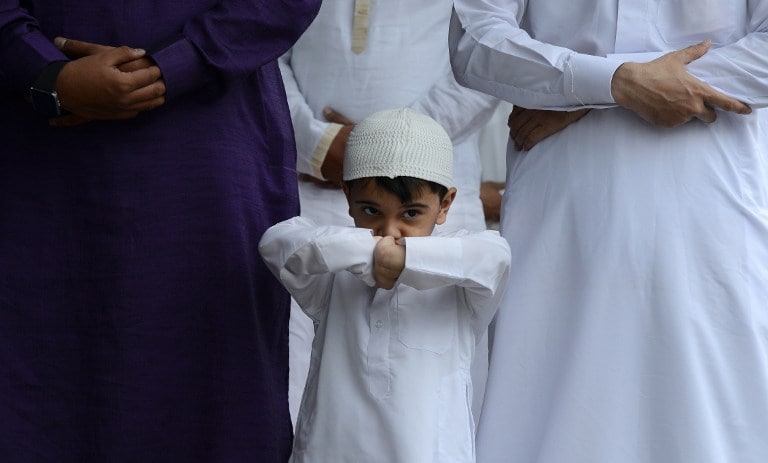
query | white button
[379, 323]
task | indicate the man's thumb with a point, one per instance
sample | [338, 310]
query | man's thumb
[75, 49]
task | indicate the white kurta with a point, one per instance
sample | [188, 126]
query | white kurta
[635, 326]
[404, 63]
[389, 379]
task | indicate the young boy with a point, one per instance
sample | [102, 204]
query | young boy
[397, 310]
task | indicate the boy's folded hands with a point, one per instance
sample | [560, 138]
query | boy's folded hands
[388, 261]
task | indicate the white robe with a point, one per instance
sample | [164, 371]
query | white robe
[389, 379]
[404, 64]
[635, 326]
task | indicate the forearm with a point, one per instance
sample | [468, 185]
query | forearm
[298, 248]
[478, 264]
[474, 262]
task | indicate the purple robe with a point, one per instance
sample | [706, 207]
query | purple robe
[137, 320]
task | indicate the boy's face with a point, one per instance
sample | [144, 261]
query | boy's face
[381, 211]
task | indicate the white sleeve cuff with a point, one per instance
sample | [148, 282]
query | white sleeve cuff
[321, 151]
[432, 262]
[588, 79]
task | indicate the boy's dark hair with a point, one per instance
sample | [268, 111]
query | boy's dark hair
[403, 187]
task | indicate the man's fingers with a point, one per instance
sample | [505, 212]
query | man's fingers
[518, 123]
[146, 78]
[707, 115]
[147, 105]
[494, 185]
[135, 65]
[518, 118]
[121, 55]
[531, 126]
[77, 48]
[524, 137]
[332, 115]
[726, 103]
[148, 97]
[534, 136]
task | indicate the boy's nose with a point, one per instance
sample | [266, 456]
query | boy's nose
[390, 228]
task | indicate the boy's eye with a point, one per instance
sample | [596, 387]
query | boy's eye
[411, 214]
[368, 210]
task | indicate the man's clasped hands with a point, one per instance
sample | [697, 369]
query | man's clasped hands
[104, 82]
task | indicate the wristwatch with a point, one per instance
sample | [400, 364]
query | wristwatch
[45, 100]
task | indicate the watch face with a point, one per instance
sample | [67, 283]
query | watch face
[45, 102]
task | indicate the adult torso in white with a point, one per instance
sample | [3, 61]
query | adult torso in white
[405, 58]
[406, 53]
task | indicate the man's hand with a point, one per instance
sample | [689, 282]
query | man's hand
[527, 127]
[75, 49]
[105, 82]
[490, 196]
[333, 166]
[664, 93]
[388, 262]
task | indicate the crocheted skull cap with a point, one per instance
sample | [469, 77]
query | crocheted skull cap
[399, 143]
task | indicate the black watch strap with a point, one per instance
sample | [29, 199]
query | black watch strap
[43, 92]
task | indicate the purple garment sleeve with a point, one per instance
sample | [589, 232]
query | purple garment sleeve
[182, 67]
[22, 44]
[233, 38]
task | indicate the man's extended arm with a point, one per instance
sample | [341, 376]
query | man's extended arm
[259, 30]
[494, 54]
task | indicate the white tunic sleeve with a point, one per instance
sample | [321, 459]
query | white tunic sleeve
[459, 110]
[313, 136]
[304, 257]
[740, 69]
[478, 263]
[490, 52]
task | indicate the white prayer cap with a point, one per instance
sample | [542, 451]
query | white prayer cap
[399, 143]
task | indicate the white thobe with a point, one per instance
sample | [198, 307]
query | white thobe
[404, 63]
[389, 379]
[635, 327]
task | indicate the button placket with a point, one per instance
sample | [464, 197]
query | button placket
[378, 342]
[632, 13]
